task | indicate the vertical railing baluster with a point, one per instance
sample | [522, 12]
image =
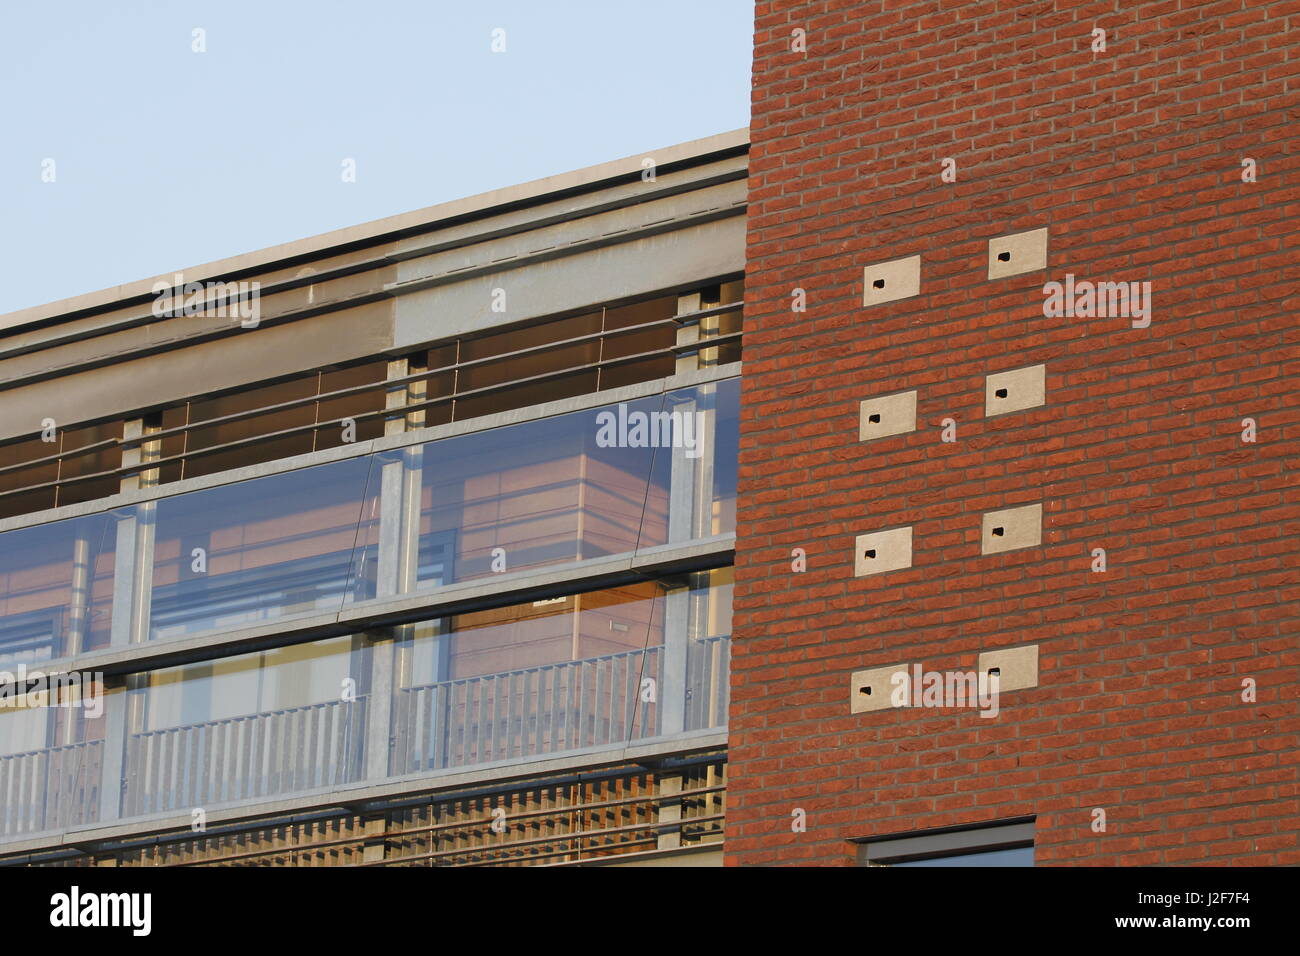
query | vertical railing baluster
[482, 691]
[168, 767]
[536, 706]
[218, 747]
[443, 719]
[498, 692]
[580, 731]
[7, 765]
[39, 783]
[600, 732]
[326, 741]
[462, 724]
[306, 723]
[422, 712]
[507, 728]
[559, 707]
[239, 758]
[264, 742]
[195, 765]
[130, 760]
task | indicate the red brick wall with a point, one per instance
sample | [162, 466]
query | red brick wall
[1132, 159]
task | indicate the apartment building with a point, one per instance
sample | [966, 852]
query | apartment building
[470, 545]
[409, 544]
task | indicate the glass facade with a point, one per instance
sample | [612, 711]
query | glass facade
[547, 492]
[593, 671]
[56, 589]
[281, 546]
[590, 671]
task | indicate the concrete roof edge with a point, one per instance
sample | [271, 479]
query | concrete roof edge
[536, 190]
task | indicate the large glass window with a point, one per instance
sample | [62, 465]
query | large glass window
[578, 672]
[56, 589]
[539, 493]
[273, 547]
[588, 484]
[582, 672]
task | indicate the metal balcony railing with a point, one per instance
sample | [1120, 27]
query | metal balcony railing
[552, 708]
[455, 386]
[525, 713]
[708, 683]
[49, 789]
[513, 715]
[242, 758]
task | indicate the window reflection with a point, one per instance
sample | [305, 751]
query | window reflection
[536, 494]
[588, 671]
[583, 671]
[279, 546]
[56, 589]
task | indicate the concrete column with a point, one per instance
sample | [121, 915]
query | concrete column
[116, 727]
[132, 590]
[709, 326]
[672, 689]
[78, 620]
[698, 628]
[133, 567]
[397, 561]
[688, 334]
[379, 711]
[705, 427]
[690, 515]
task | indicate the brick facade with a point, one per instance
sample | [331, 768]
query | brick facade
[1132, 159]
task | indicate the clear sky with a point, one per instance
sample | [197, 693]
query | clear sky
[164, 157]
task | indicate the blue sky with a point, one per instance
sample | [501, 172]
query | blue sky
[165, 158]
